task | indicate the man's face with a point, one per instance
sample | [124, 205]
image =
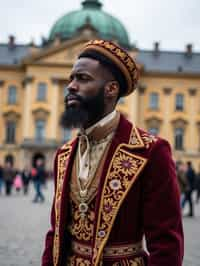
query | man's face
[85, 99]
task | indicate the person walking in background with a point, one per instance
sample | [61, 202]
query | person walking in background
[18, 182]
[38, 180]
[182, 180]
[9, 175]
[26, 177]
[190, 175]
[198, 186]
[1, 179]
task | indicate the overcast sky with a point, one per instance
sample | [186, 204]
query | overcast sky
[173, 23]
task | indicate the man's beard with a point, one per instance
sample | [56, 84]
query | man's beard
[89, 111]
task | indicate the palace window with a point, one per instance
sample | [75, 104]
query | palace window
[10, 132]
[12, 94]
[178, 138]
[42, 91]
[9, 158]
[153, 131]
[121, 100]
[67, 134]
[40, 130]
[179, 102]
[153, 101]
[65, 91]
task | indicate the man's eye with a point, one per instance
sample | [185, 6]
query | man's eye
[83, 77]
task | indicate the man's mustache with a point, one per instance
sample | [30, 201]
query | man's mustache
[73, 96]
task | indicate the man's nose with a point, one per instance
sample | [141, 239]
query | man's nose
[73, 86]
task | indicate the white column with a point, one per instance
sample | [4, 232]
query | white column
[192, 124]
[140, 106]
[134, 104]
[54, 109]
[1, 96]
[166, 114]
[27, 108]
[1, 107]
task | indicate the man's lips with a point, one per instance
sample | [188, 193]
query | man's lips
[72, 100]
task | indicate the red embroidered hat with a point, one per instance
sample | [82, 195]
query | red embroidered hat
[117, 59]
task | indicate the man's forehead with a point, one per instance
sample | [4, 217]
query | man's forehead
[87, 64]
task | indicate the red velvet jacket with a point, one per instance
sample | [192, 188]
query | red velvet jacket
[145, 202]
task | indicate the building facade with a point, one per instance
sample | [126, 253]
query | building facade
[33, 84]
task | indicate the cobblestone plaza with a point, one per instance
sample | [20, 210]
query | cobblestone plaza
[23, 226]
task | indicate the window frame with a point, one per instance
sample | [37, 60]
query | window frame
[178, 106]
[41, 92]
[12, 94]
[10, 132]
[41, 136]
[154, 100]
[177, 145]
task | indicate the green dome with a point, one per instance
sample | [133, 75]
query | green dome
[107, 26]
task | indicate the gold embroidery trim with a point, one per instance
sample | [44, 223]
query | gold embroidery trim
[109, 251]
[135, 138]
[122, 173]
[62, 159]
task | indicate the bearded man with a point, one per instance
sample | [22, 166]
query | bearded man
[114, 184]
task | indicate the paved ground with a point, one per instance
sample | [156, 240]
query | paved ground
[23, 226]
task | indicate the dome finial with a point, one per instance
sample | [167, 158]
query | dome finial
[92, 4]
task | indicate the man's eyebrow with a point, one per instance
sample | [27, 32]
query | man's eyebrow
[80, 71]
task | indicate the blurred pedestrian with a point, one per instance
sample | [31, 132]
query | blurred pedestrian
[190, 174]
[26, 177]
[38, 180]
[9, 175]
[182, 180]
[18, 182]
[198, 186]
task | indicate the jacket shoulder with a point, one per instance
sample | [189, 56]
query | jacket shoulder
[150, 141]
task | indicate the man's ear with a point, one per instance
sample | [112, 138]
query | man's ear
[112, 89]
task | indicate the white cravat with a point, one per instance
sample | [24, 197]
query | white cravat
[84, 158]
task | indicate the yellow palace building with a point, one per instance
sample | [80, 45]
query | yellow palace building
[33, 83]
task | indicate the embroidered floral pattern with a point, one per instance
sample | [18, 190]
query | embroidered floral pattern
[122, 173]
[125, 164]
[130, 262]
[77, 261]
[62, 159]
[82, 228]
[135, 138]
[148, 139]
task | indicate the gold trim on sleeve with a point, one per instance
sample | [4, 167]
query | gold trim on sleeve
[61, 168]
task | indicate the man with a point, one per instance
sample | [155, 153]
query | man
[191, 178]
[114, 183]
[38, 180]
[9, 175]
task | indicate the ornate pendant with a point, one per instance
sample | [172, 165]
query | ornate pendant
[83, 208]
[83, 193]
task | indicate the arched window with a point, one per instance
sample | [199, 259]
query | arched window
[66, 134]
[9, 158]
[153, 101]
[10, 131]
[178, 138]
[12, 94]
[40, 130]
[42, 91]
[153, 131]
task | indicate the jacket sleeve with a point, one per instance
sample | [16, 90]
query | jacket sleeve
[161, 211]
[47, 257]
